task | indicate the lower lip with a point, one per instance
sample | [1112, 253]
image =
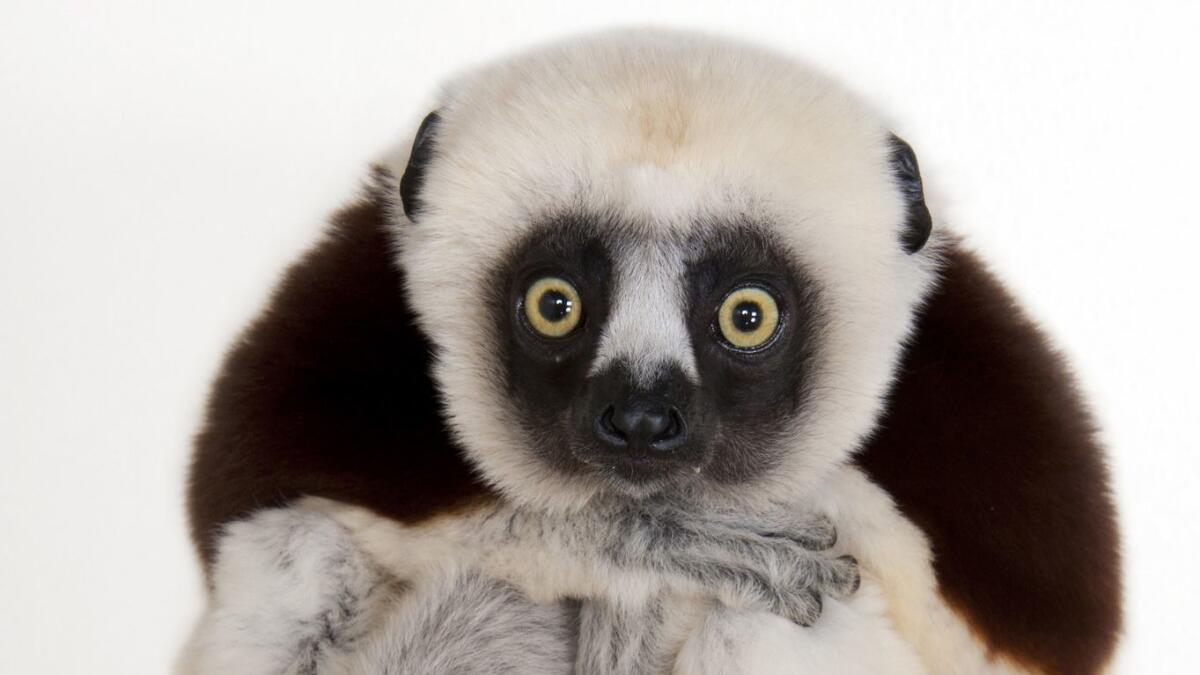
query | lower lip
[642, 470]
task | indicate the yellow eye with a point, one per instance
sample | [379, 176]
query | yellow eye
[748, 318]
[553, 307]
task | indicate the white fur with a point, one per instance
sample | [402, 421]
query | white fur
[664, 131]
[647, 328]
[459, 622]
[853, 637]
[294, 593]
[894, 554]
[290, 592]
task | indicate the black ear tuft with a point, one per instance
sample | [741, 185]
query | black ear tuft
[414, 174]
[918, 223]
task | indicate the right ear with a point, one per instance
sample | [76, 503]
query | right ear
[918, 224]
[418, 160]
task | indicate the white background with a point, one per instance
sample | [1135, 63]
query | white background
[160, 162]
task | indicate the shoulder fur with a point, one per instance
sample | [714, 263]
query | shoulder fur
[988, 448]
[328, 394]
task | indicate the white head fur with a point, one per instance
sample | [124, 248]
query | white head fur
[668, 130]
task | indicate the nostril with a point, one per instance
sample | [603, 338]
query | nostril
[673, 427]
[674, 434]
[607, 430]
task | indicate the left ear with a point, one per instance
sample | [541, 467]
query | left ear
[418, 160]
[918, 224]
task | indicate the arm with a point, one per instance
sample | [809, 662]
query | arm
[623, 552]
[298, 591]
[293, 593]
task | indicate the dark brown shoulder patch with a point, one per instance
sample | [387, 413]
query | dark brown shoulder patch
[988, 448]
[328, 393]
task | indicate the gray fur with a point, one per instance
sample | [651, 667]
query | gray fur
[295, 595]
[775, 564]
[291, 593]
[616, 639]
[464, 623]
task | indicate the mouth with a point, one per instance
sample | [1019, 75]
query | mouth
[638, 474]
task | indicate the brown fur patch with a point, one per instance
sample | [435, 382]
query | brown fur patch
[990, 451]
[328, 394]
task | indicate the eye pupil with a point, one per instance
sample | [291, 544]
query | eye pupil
[554, 306]
[747, 316]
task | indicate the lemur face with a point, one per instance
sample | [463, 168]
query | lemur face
[647, 359]
[659, 265]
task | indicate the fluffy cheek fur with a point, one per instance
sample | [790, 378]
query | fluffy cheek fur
[451, 283]
[871, 301]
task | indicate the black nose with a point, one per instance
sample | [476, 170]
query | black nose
[642, 425]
